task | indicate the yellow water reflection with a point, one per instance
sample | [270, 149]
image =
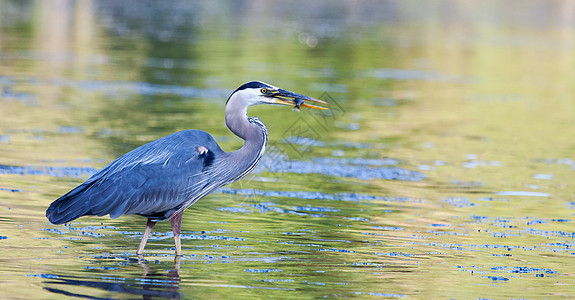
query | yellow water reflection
[475, 95]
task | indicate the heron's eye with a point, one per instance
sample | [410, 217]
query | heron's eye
[264, 91]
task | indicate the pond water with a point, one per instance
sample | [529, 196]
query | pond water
[443, 169]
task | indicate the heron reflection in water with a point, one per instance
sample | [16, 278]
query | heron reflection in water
[159, 180]
[155, 282]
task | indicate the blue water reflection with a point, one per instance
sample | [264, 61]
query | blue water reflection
[443, 168]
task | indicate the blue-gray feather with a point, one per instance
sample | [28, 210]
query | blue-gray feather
[153, 180]
[161, 179]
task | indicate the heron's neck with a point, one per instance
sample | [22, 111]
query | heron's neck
[252, 131]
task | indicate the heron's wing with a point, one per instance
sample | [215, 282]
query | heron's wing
[151, 189]
[151, 180]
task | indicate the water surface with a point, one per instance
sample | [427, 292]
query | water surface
[442, 170]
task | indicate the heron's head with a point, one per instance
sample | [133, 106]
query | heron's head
[257, 92]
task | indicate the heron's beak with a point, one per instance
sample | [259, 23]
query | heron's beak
[284, 97]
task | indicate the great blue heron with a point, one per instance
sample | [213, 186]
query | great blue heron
[159, 180]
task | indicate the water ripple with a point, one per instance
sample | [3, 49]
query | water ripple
[342, 168]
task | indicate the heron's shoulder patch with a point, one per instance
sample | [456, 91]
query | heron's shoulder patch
[202, 150]
[206, 156]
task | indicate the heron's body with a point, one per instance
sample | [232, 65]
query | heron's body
[159, 180]
[154, 180]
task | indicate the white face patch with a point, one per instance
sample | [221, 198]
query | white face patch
[250, 97]
[253, 95]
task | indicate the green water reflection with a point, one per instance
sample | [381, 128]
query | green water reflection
[475, 95]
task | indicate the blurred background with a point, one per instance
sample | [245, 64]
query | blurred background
[444, 167]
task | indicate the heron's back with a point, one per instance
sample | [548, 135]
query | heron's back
[153, 180]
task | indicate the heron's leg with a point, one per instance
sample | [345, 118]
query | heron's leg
[176, 221]
[149, 227]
